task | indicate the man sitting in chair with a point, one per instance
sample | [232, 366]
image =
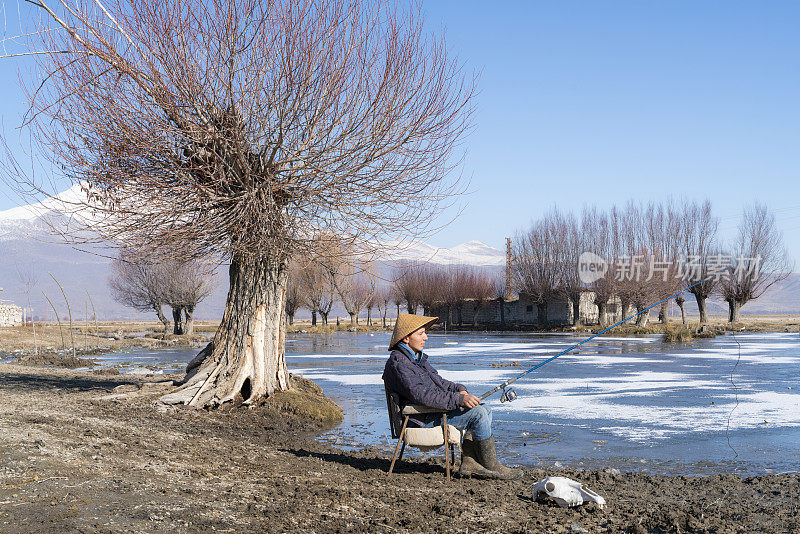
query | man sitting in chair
[411, 377]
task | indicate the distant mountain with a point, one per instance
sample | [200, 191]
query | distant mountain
[470, 253]
[27, 244]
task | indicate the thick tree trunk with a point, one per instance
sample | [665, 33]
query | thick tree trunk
[324, 318]
[679, 301]
[247, 355]
[602, 314]
[164, 320]
[575, 301]
[541, 313]
[177, 320]
[352, 318]
[313, 317]
[626, 304]
[734, 310]
[643, 319]
[701, 307]
[291, 318]
[188, 327]
[663, 313]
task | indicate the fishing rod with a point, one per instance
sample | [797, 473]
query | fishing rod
[509, 394]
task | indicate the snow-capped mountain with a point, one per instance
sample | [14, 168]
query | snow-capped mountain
[469, 253]
[37, 219]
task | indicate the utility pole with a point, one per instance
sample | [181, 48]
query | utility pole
[508, 268]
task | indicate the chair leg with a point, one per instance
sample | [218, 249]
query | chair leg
[397, 447]
[446, 432]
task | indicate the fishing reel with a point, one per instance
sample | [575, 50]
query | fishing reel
[508, 395]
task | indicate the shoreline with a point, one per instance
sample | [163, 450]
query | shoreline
[79, 457]
[107, 336]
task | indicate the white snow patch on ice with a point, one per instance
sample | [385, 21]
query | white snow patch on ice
[482, 376]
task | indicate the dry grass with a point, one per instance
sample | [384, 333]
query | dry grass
[674, 333]
[331, 327]
[93, 338]
[716, 324]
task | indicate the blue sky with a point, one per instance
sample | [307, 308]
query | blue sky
[600, 102]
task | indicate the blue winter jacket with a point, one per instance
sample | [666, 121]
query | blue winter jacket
[419, 383]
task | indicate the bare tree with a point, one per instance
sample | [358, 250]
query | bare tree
[456, 290]
[598, 237]
[664, 230]
[372, 302]
[431, 283]
[354, 283]
[28, 279]
[248, 131]
[574, 241]
[186, 284]
[382, 298]
[699, 244]
[538, 262]
[325, 307]
[397, 298]
[317, 289]
[407, 287]
[482, 291]
[759, 260]
[680, 301]
[500, 294]
[643, 243]
[294, 288]
[137, 283]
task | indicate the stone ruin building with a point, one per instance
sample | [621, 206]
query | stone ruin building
[10, 313]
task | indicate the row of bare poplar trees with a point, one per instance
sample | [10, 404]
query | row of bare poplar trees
[652, 251]
[456, 288]
[317, 286]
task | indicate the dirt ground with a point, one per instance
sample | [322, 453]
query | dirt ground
[85, 452]
[94, 338]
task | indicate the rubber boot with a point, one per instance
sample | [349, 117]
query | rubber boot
[469, 464]
[487, 457]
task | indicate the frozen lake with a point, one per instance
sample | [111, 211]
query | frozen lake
[730, 404]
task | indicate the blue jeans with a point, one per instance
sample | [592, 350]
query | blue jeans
[477, 420]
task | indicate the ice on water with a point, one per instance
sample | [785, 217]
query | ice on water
[643, 398]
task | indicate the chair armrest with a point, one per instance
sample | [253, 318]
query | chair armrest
[414, 409]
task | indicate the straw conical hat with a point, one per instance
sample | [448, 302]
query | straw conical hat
[407, 324]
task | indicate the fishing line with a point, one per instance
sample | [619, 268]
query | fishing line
[509, 394]
[736, 392]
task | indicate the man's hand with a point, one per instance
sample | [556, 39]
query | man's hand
[469, 401]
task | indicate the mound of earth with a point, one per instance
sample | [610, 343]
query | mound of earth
[50, 359]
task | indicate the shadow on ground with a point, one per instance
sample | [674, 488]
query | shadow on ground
[368, 463]
[30, 382]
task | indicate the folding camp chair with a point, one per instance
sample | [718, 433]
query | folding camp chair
[426, 439]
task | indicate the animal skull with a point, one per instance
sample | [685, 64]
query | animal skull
[566, 492]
